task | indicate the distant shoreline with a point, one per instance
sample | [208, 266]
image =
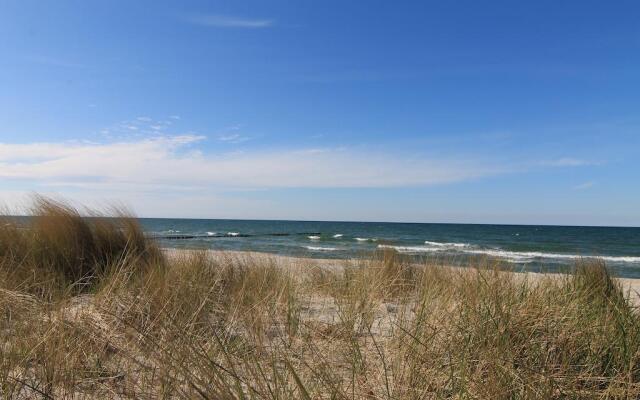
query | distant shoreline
[385, 222]
[532, 248]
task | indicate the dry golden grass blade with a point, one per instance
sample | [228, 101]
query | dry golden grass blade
[90, 308]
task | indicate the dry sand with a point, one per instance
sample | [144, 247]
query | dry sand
[630, 286]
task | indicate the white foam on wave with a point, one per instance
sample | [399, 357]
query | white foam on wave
[527, 255]
[319, 248]
[338, 235]
[211, 233]
[445, 244]
[314, 237]
[511, 256]
[366, 239]
[233, 233]
[412, 249]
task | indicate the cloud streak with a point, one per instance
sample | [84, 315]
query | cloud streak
[584, 186]
[567, 162]
[177, 162]
[227, 21]
[234, 138]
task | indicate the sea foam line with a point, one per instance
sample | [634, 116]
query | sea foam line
[445, 244]
[319, 248]
[412, 249]
[516, 256]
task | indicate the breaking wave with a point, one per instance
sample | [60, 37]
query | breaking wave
[511, 256]
[319, 248]
[445, 244]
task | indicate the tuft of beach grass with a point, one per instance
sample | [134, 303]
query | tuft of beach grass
[90, 308]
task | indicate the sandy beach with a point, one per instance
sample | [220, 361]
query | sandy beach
[300, 264]
[93, 308]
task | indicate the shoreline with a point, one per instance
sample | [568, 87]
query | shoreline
[185, 323]
[631, 286]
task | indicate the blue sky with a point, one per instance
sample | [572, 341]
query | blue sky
[465, 111]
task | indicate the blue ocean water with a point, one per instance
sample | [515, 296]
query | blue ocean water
[526, 247]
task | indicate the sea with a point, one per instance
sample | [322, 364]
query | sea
[521, 247]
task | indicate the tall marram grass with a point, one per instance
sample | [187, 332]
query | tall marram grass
[59, 248]
[89, 308]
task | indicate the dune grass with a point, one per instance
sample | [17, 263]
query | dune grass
[89, 308]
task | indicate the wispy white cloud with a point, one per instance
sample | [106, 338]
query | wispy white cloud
[232, 134]
[227, 21]
[179, 162]
[139, 127]
[233, 138]
[567, 162]
[584, 186]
